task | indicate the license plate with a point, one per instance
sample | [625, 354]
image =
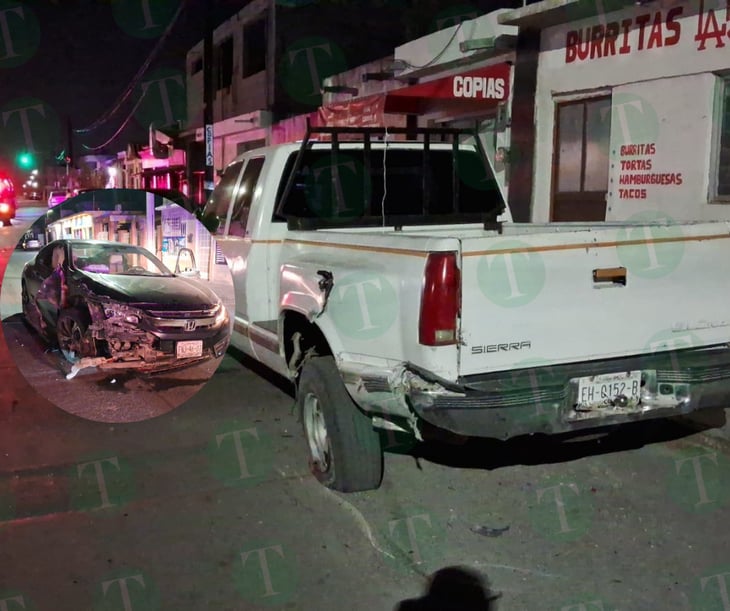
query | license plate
[610, 389]
[190, 348]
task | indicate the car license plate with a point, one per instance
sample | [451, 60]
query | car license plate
[189, 349]
[610, 389]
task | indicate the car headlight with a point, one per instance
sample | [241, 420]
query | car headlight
[4, 207]
[122, 314]
[222, 315]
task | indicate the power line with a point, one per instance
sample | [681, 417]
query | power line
[439, 54]
[121, 127]
[136, 78]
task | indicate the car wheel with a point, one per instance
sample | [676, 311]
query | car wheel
[74, 338]
[344, 449]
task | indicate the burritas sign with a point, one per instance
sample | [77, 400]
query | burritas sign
[702, 24]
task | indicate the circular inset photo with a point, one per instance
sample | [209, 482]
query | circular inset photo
[117, 305]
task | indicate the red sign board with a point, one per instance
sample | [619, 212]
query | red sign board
[489, 84]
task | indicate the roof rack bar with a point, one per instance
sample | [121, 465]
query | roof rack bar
[295, 170]
[426, 173]
[455, 174]
[390, 130]
[335, 175]
[366, 197]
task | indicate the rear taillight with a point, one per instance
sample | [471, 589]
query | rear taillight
[440, 300]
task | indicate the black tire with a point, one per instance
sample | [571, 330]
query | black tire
[344, 450]
[72, 334]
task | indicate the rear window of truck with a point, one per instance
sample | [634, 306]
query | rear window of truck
[349, 189]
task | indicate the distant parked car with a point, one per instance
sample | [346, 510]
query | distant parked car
[56, 197]
[31, 244]
[120, 306]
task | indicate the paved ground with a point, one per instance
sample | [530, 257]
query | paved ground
[210, 506]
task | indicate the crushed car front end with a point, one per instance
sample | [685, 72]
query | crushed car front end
[154, 337]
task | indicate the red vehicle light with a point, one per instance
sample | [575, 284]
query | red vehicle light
[440, 300]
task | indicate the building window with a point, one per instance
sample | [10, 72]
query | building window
[224, 54]
[254, 48]
[581, 160]
[723, 157]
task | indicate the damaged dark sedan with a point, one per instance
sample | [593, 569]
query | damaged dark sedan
[113, 305]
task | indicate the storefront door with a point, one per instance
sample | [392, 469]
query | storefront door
[581, 160]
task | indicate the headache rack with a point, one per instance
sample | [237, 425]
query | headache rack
[369, 135]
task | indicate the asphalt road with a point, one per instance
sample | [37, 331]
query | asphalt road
[210, 506]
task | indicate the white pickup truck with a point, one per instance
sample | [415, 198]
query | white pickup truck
[386, 279]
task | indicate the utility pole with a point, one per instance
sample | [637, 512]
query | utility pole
[208, 93]
[69, 147]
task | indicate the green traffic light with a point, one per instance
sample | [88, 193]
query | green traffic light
[25, 160]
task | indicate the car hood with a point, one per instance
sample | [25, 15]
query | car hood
[164, 291]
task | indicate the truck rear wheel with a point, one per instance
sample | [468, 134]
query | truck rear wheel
[344, 449]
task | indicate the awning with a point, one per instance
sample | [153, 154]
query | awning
[467, 92]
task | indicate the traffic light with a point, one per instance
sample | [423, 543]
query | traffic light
[26, 160]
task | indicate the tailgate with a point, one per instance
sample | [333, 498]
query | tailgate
[568, 296]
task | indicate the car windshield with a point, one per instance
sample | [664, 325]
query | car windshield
[116, 259]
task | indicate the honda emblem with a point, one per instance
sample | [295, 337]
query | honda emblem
[190, 325]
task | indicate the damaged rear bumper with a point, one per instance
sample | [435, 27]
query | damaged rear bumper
[539, 399]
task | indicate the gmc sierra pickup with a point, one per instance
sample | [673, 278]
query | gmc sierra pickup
[385, 278]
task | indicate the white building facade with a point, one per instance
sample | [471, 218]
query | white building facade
[632, 111]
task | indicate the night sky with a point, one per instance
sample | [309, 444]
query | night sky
[77, 57]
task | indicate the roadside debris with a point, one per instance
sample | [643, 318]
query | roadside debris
[487, 531]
